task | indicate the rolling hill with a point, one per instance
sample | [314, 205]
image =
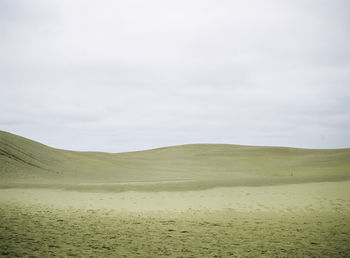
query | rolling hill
[26, 163]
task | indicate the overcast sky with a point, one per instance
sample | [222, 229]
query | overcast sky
[128, 75]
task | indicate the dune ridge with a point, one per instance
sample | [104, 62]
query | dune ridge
[26, 163]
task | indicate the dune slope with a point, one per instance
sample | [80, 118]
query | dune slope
[25, 162]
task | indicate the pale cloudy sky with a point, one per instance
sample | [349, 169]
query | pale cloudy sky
[128, 75]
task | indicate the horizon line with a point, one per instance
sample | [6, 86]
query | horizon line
[177, 145]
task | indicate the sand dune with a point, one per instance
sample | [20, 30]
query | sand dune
[187, 167]
[181, 201]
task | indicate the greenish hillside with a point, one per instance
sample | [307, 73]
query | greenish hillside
[196, 166]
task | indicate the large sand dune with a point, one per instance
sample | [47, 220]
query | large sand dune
[181, 201]
[185, 167]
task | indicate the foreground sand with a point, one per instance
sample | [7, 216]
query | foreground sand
[287, 221]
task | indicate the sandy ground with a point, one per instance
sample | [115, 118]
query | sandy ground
[298, 220]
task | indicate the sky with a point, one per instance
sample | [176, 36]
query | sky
[121, 76]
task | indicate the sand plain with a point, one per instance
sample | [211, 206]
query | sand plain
[295, 220]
